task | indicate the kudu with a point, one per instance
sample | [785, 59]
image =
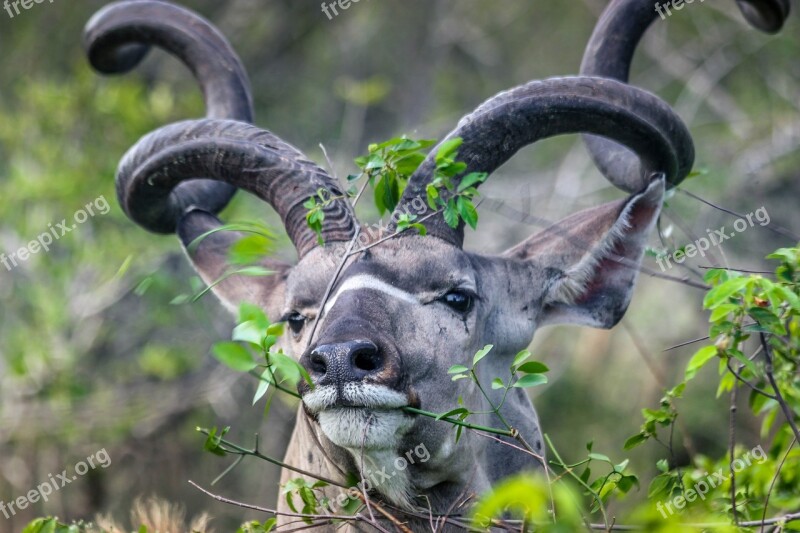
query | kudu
[401, 313]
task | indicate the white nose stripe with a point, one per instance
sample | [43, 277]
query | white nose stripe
[365, 281]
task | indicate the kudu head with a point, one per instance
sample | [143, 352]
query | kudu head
[389, 321]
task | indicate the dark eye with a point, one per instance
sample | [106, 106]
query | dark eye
[459, 301]
[296, 322]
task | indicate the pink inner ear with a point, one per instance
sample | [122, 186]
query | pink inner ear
[619, 265]
[600, 252]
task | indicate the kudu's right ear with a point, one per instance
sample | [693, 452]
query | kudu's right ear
[209, 256]
[591, 259]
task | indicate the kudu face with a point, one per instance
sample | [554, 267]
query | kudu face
[399, 316]
[400, 313]
[404, 311]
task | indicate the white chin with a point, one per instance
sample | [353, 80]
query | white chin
[370, 429]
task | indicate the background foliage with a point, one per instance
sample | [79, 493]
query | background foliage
[92, 353]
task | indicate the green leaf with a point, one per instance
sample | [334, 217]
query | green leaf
[252, 271]
[387, 194]
[626, 483]
[635, 440]
[451, 213]
[767, 319]
[422, 230]
[252, 312]
[234, 355]
[714, 276]
[457, 369]
[722, 311]
[263, 385]
[742, 358]
[250, 249]
[448, 170]
[391, 193]
[407, 165]
[459, 431]
[42, 525]
[530, 380]
[529, 498]
[448, 148]
[700, 358]
[471, 179]
[520, 357]
[661, 485]
[467, 211]
[497, 383]
[284, 368]
[783, 293]
[721, 293]
[433, 195]
[482, 353]
[380, 187]
[213, 441]
[453, 412]
[533, 367]
[374, 161]
[249, 332]
[600, 457]
[787, 255]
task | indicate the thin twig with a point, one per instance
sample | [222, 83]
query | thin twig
[393, 235]
[577, 478]
[753, 387]
[244, 505]
[236, 449]
[710, 267]
[393, 519]
[787, 412]
[686, 343]
[659, 377]
[467, 425]
[774, 479]
[339, 268]
[731, 446]
[772, 227]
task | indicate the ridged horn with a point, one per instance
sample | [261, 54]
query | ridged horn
[610, 52]
[241, 155]
[119, 36]
[501, 126]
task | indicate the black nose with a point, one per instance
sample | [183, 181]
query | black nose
[345, 361]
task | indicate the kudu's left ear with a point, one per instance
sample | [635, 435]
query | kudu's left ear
[209, 256]
[592, 258]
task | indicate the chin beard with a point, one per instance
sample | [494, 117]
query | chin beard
[359, 428]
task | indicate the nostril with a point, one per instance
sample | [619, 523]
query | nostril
[367, 360]
[319, 363]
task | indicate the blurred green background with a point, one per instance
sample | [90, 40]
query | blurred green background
[92, 352]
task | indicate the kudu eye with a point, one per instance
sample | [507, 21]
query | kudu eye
[296, 322]
[459, 301]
